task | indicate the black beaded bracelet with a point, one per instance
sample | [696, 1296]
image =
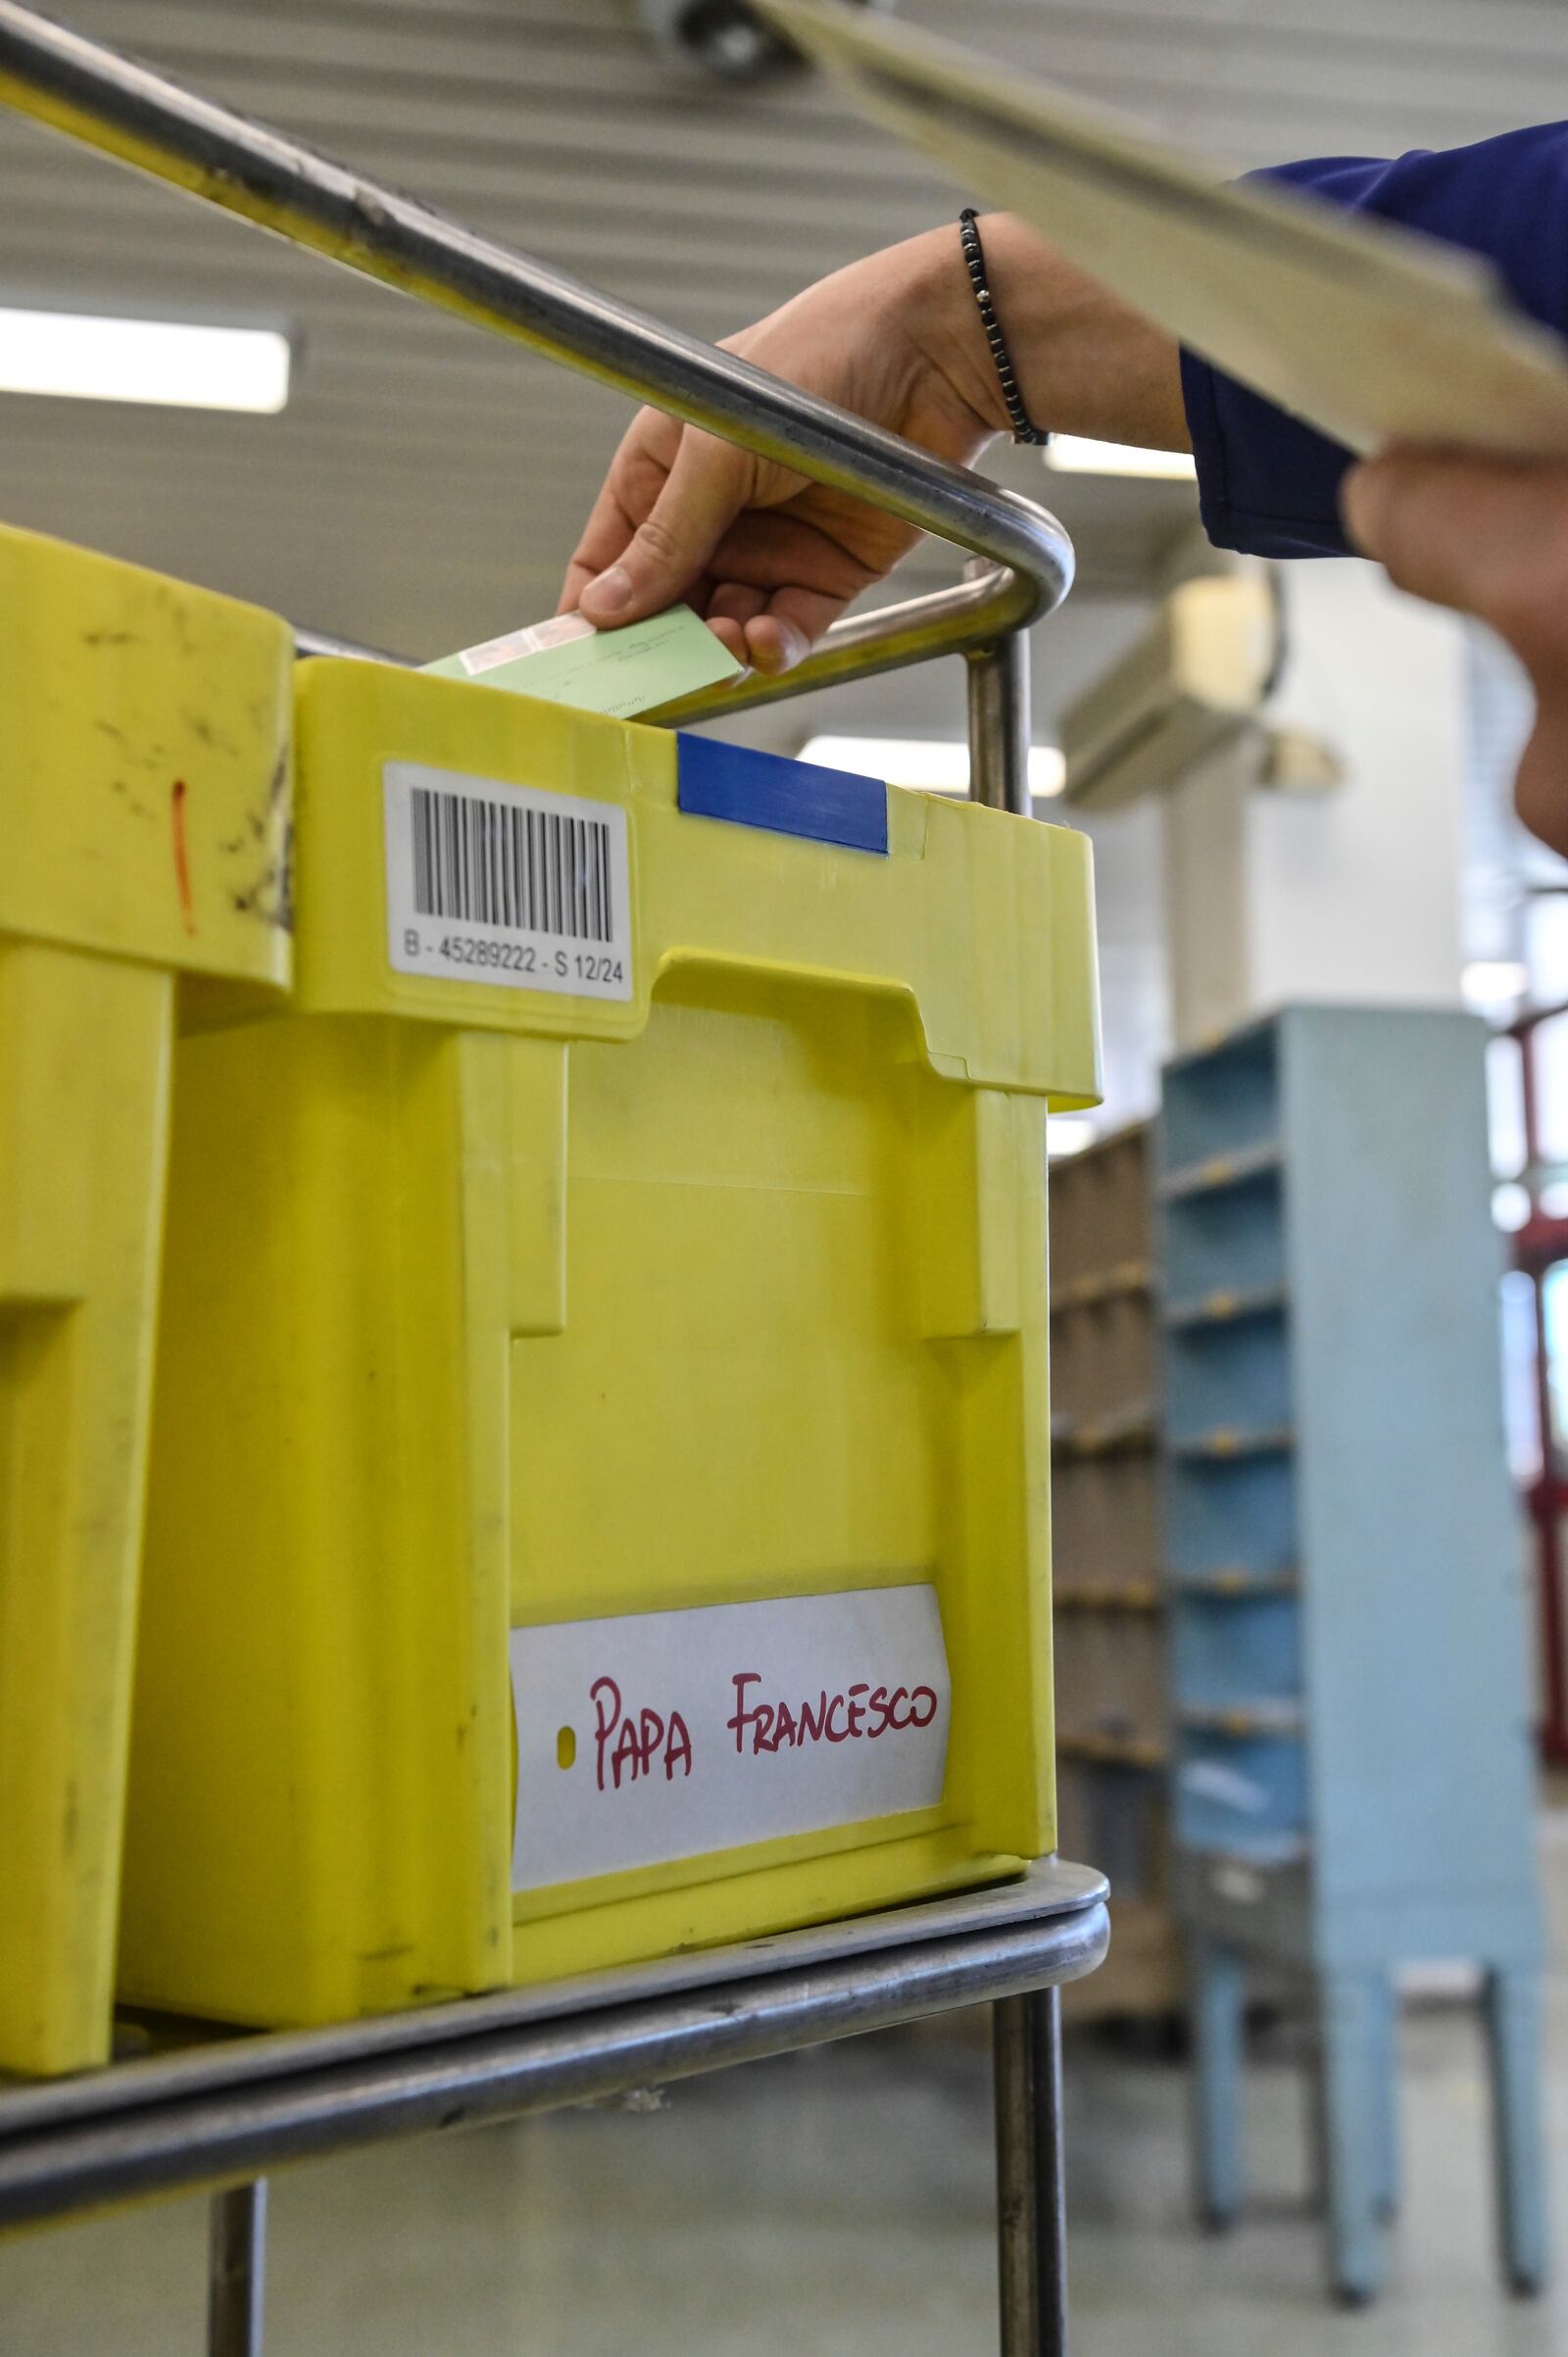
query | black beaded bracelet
[1024, 428]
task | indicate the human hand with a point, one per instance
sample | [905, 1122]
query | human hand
[766, 556]
[770, 558]
[1488, 537]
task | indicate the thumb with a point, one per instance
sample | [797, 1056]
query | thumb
[707, 487]
[1409, 509]
[1476, 533]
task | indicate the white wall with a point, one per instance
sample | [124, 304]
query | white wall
[1354, 894]
[1357, 894]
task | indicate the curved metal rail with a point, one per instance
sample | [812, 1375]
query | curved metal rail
[111, 102]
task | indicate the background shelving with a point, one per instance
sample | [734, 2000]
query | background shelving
[1349, 1769]
[1113, 1733]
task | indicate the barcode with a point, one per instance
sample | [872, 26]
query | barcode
[490, 863]
[503, 887]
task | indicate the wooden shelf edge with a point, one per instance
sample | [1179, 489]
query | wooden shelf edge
[1109, 1751]
[1242, 1719]
[1218, 1171]
[1127, 1279]
[1225, 1307]
[1109, 1596]
[1226, 1586]
[1225, 1445]
[1134, 1438]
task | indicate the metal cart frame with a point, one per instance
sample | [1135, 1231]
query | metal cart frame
[220, 2116]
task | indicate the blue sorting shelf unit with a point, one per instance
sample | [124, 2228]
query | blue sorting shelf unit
[1351, 1782]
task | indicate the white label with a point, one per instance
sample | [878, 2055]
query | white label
[668, 1735]
[534, 640]
[506, 884]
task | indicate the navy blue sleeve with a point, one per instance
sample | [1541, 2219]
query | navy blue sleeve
[1270, 485]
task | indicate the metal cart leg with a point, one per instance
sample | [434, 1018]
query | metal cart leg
[998, 725]
[1218, 2001]
[1355, 2101]
[1390, 2172]
[1513, 2031]
[1031, 2191]
[1031, 2203]
[236, 2268]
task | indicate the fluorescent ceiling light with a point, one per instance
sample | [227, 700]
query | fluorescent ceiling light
[930, 764]
[1069, 454]
[1489, 984]
[1068, 1133]
[1510, 1206]
[78, 355]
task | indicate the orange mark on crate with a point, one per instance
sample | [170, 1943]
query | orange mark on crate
[177, 821]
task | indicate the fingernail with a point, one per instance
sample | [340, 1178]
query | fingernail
[780, 652]
[612, 591]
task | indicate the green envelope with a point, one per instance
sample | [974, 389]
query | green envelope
[621, 673]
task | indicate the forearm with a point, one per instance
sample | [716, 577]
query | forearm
[770, 558]
[1085, 364]
[1271, 484]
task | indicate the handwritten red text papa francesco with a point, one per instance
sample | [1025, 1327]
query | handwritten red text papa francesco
[633, 1744]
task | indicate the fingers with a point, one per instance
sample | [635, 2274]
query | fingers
[1489, 537]
[731, 636]
[770, 631]
[683, 515]
[703, 493]
[737, 602]
[1485, 536]
[788, 580]
[730, 609]
[1413, 511]
[1540, 790]
[605, 535]
[788, 628]
[637, 475]
[766, 644]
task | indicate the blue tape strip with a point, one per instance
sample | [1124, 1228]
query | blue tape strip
[790, 798]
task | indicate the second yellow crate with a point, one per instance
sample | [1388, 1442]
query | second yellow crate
[144, 818]
[600, 1480]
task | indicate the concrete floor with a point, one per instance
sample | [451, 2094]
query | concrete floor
[833, 2202]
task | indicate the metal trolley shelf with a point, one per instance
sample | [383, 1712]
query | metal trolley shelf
[219, 2115]
[222, 2115]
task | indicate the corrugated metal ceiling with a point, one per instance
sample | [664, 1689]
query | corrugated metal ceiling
[424, 486]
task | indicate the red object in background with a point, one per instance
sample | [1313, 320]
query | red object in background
[1540, 1248]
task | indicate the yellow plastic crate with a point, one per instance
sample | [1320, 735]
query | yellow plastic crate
[601, 1317]
[144, 812]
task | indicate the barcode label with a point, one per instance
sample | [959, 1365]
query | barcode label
[505, 885]
[490, 863]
